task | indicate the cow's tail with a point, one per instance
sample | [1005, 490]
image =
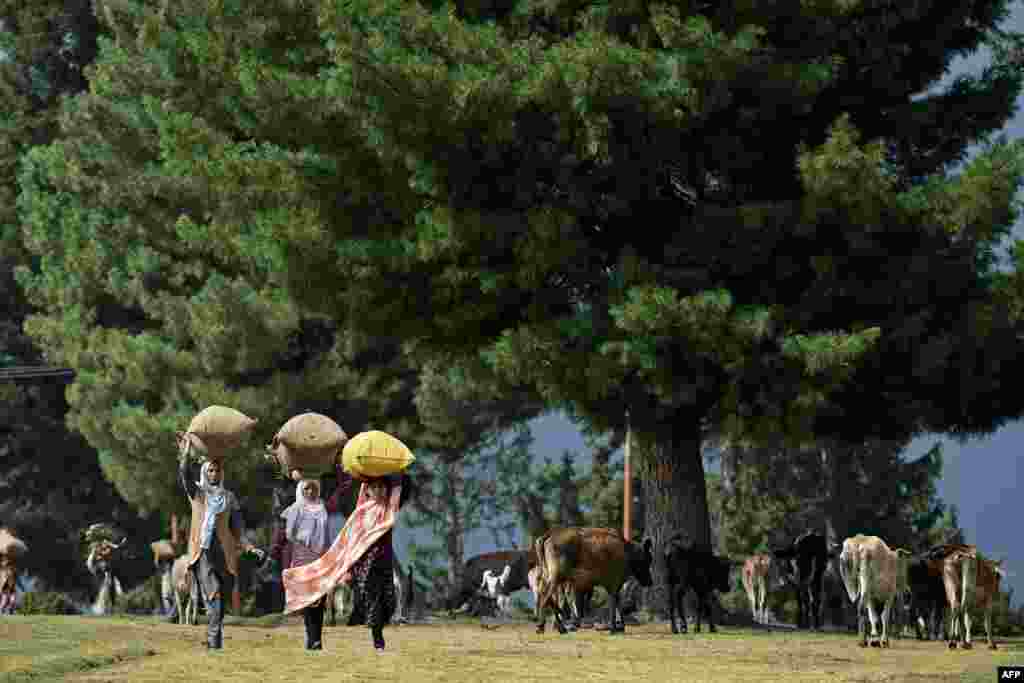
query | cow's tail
[748, 583]
[850, 570]
[538, 549]
[968, 574]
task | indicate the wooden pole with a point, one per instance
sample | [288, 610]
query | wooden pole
[627, 488]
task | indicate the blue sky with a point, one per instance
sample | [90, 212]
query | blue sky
[981, 477]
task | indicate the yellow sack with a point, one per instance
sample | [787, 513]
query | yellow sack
[221, 429]
[375, 454]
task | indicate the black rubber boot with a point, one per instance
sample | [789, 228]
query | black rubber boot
[318, 628]
[214, 630]
[307, 620]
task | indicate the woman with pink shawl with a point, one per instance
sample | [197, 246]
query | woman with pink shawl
[361, 555]
[304, 532]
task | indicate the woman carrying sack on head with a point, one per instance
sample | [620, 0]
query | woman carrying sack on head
[305, 533]
[361, 555]
[215, 537]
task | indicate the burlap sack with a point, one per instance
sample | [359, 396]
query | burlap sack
[311, 431]
[11, 545]
[162, 550]
[313, 462]
[376, 454]
[221, 429]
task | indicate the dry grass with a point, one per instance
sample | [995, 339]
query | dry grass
[462, 652]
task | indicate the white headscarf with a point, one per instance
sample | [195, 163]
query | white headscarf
[306, 518]
[216, 502]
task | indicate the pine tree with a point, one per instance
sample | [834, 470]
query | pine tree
[707, 216]
[204, 126]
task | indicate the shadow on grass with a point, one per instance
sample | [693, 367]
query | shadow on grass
[57, 666]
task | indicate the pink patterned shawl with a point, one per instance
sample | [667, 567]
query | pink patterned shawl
[371, 519]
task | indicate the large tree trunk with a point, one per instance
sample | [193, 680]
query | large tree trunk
[455, 537]
[675, 495]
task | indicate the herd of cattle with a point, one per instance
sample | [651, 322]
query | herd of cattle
[936, 589]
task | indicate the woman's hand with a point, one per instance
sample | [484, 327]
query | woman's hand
[296, 475]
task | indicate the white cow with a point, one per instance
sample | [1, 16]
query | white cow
[870, 573]
[186, 591]
[494, 587]
[756, 571]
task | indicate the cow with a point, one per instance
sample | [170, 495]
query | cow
[871, 573]
[186, 592]
[494, 587]
[803, 563]
[689, 567]
[339, 599]
[970, 580]
[898, 612]
[568, 601]
[926, 600]
[986, 590]
[587, 557]
[756, 571]
[521, 561]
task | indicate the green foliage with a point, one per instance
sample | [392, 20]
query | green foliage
[142, 599]
[668, 212]
[777, 493]
[727, 217]
[48, 602]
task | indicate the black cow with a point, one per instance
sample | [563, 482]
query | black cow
[802, 564]
[926, 600]
[521, 561]
[701, 570]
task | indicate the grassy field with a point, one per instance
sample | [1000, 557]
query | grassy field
[139, 650]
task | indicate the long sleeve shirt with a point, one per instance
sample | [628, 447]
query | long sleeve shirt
[301, 554]
[188, 475]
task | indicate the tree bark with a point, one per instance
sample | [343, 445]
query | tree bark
[675, 494]
[455, 536]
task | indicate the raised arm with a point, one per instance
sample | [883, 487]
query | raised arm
[408, 489]
[345, 482]
[187, 475]
[278, 543]
[236, 520]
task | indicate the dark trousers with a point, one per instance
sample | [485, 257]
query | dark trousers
[313, 617]
[213, 581]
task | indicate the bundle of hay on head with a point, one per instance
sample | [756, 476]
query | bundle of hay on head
[11, 546]
[309, 443]
[214, 432]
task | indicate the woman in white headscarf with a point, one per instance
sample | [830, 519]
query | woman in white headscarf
[304, 531]
[215, 537]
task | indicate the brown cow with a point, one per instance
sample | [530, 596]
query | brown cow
[588, 557]
[970, 580]
[755, 581]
